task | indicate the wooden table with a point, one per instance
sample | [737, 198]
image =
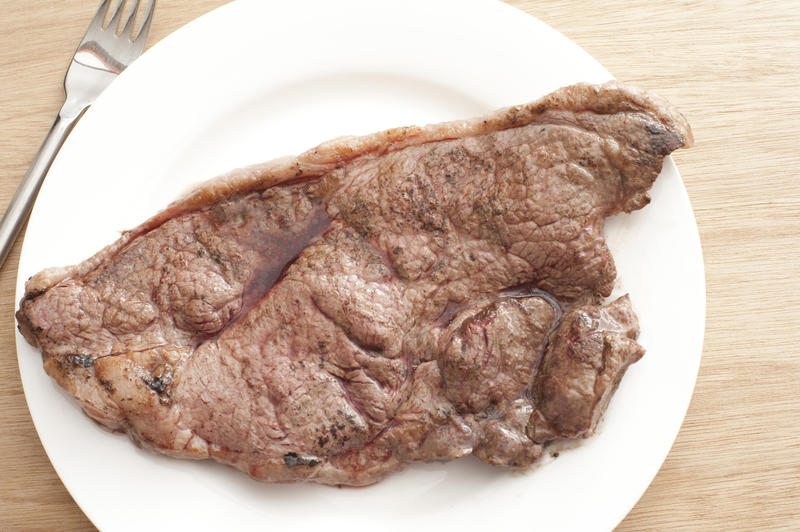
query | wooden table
[732, 67]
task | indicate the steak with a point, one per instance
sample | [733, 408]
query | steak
[422, 293]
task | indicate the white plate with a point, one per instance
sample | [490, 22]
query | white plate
[254, 80]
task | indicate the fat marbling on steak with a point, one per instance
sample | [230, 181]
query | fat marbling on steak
[422, 293]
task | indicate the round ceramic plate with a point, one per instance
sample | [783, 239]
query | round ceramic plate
[255, 80]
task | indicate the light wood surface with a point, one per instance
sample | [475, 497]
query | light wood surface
[732, 67]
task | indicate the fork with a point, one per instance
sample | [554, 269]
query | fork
[103, 53]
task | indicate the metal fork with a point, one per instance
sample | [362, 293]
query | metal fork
[103, 53]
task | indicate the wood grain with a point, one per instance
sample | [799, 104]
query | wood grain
[732, 67]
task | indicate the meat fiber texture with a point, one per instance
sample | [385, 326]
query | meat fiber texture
[422, 293]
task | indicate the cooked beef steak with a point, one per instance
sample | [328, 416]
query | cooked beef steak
[417, 294]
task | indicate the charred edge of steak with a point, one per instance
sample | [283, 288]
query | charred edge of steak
[159, 381]
[156, 384]
[78, 360]
[293, 460]
[24, 325]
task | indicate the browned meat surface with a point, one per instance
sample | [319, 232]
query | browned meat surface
[417, 294]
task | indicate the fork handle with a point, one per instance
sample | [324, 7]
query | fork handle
[22, 202]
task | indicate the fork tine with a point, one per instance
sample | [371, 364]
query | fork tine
[126, 30]
[144, 29]
[99, 16]
[114, 22]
